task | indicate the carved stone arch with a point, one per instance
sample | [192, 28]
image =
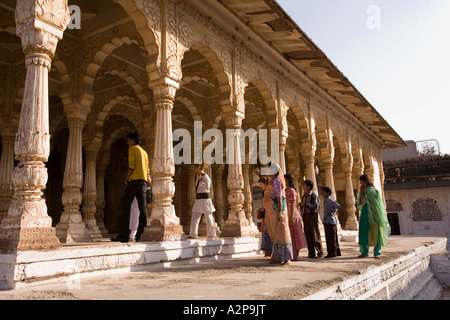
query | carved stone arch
[292, 155]
[104, 112]
[99, 119]
[217, 62]
[297, 114]
[105, 151]
[217, 122]
[137, 123]
[325, 144]
[95, 65]
[341, 143]
[142, 13]
[265, 95]
[367, 159]
[191, 107]
[358, 161]
[11, 29]
[64, 73]
[138, 87]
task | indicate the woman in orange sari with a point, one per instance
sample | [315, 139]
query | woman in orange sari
[276, 239]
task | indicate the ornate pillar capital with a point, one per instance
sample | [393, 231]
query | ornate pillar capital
[40, 24]
[76, 114]
[233, 120]
[164, 91]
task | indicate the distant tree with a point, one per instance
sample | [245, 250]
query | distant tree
[428, 150]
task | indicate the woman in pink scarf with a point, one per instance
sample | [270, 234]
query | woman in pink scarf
[295, 221]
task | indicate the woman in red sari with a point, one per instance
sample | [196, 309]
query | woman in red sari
[295, 221]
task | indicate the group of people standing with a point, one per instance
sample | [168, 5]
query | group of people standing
[285, 231]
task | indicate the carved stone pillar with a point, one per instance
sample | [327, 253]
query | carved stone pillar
[6, 171]
[248, 199]
[90, 195]
[219, 195]
[329, 177]
[351, 223]
[27, 226]
[71, 228]
[237, 224]
[297, 185]
[163, 224]
[282, 154]
[310, 174]
[100, 202]
[191, 198]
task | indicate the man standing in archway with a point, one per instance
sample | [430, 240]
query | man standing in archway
[137, 182]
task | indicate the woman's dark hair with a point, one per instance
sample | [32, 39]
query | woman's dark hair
[134, 136]
[289, 180]
[309, 183]
[264, 180]
[366, 178]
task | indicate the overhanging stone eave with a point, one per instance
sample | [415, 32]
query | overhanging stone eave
[300, 39]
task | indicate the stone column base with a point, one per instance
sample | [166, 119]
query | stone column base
[238, 229]
[28, 239]
[351, 223]
[93, 230]
[161, 233]
[72, 233]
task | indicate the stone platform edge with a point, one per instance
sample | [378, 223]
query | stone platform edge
[29, 267]
[408, 277]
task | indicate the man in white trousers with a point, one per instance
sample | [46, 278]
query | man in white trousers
[203, 204]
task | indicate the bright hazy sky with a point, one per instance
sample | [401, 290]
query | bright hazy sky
[402, 68]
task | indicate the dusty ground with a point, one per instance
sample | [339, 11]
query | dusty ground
[251, 278]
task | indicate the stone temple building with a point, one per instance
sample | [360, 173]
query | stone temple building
[74, 83]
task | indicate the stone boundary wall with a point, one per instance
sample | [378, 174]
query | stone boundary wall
[408, 277]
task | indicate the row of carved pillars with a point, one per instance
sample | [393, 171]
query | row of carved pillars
[27, 225]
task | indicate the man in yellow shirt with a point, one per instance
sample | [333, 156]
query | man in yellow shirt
[136, 181]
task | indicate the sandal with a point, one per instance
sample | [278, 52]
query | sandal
[363, 256]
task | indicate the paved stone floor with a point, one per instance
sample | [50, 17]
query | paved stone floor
[249, 278]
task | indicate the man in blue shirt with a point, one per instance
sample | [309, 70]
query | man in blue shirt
[330, 223]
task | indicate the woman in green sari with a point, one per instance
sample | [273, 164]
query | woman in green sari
[373, 222]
